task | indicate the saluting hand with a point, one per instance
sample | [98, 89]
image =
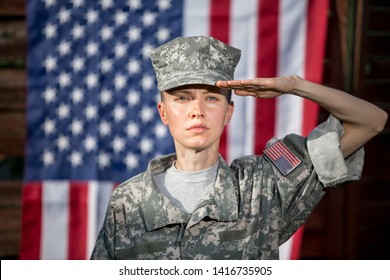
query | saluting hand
[260, 87]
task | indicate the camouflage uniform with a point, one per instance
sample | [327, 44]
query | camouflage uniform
[252, 210]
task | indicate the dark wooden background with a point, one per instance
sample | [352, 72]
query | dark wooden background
[349, 223]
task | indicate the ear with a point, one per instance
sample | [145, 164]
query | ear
[162, 112]
[229, 112]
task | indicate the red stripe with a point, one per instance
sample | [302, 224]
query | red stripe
[30, 247]
[284, 153]
[266, 67]
[296, 244]
[279, 150]
[272, 154]
[288, 154]
[78, 220]
[220, 29]
[317, 16]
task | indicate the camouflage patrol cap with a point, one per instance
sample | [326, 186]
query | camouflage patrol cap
[193, 60]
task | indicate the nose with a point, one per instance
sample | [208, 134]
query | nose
[196, 110]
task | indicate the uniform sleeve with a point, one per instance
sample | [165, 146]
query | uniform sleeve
[324, 149]
[321, 165]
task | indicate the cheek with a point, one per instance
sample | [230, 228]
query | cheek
[174, 115]
[220, 115]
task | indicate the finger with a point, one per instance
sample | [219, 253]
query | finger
[230, 83]
[245, 93]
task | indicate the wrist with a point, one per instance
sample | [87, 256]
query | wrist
[296, 83]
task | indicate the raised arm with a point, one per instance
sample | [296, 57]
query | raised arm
[362, 120]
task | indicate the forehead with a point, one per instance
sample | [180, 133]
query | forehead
[197, 88]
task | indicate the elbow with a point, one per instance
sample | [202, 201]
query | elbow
[381, 121]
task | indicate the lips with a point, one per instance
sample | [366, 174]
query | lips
[197, 128]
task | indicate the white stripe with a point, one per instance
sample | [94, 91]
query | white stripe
[105, 190]
[292, 42]
[243, 31]
[99, 193]
[55, 219]
[92, 209]
[196, 17]
[292, 38]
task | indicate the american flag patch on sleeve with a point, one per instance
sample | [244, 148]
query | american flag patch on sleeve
[282, 157]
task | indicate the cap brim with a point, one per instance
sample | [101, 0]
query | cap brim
[182, 78]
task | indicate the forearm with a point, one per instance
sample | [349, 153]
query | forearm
[362, 120]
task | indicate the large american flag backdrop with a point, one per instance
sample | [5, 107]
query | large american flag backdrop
[92, 120]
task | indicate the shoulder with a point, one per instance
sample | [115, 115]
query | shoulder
[128, 192]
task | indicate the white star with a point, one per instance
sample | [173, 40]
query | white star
[119, 113]
[162, 34]
[90, 143]
[106, 33]
[119, 81]
[64, 48]
[164, 5]
[77, 31]
[62, 142]
[146, 114]
[134, 4]
[91, 80]
[120, 50]
[76, 127]
[106, 65]
[105, 96]
[131, 161]
[134, 33]
[132, 129]
[64, 79]
[146, 49]
[90, 112]
[49, 3]
[146, 145]
[48, 126]
[118, 144]
[106, 4]
[91, 48]
[75, 159]
[104, 128]
[147, 82]
[103, 160]
[63, 111]
[148, 18]
[49, 94]
[78, 64]
[47, 158]
[120, 18]
[77, 3]
[92, 16]
[50, 63]
[50, 31]
[133, 66]
[77, 95]
[64, 15]
[160, 130]
[133, 98]
[157, 98]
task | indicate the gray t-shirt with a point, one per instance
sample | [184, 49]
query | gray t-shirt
[186, 189]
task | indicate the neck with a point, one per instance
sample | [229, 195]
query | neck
[190, 160]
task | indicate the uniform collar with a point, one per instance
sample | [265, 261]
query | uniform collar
[157, 211]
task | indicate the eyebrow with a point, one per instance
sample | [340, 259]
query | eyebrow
[187, 91]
